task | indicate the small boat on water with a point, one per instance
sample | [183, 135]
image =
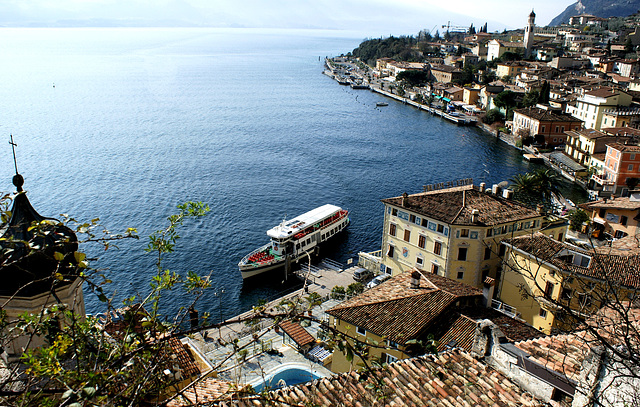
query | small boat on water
[295, 239]
[382, 104]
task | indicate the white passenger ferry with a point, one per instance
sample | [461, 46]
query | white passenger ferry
[294, 238]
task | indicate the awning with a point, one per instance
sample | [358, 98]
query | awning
[446, 99]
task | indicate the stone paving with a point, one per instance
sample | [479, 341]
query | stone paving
[256, 363]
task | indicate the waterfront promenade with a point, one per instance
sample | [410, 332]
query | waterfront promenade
[220, 345]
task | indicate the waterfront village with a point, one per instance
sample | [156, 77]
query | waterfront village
[476, 297]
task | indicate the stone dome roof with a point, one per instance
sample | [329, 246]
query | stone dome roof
[27, 263]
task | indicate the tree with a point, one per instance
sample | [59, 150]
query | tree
[506, 100]
[545, 90]
[531, 98]
[117, 361]
[472, 29]
[492, 116]
[413, 77]
[577, 217]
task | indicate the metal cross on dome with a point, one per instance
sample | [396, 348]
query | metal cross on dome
[13, 148]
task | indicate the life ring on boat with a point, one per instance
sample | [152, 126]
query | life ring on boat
[275, 247]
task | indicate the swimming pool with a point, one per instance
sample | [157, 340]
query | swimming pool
[286, 375]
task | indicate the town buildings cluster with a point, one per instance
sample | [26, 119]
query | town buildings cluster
[488, 301]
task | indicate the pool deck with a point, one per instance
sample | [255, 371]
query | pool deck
[218, 344]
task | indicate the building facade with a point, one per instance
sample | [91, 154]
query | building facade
[541, 276]
[591, 106]
[453, 232]
[546, 125]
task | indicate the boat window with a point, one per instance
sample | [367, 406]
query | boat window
[304, 243]
[309, 241]
[332, 232]
[323, 236]
[298, 246]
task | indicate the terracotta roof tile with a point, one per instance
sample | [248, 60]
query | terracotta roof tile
[299, 335]
[399, 313]
[455, 206]
[449, 379]
[546, 115]
[624, 270]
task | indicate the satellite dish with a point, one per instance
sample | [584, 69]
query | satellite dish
[503, 184]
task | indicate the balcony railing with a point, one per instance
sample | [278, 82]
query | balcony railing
[505, 309]
[370, 261]
[601, 179]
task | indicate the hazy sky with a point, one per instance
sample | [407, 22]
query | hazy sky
[375, 16]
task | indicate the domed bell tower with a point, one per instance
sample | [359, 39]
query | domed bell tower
[37, 270]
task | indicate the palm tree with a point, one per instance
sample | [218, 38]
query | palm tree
[546, 182]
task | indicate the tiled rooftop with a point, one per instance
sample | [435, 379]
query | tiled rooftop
[624, 270]
[617, 203]
[399, 313]
[299, 335]
[561, 353]
[451, 378]
[455, 206]
[546, 115]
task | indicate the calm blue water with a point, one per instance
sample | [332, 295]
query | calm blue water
[140, 120]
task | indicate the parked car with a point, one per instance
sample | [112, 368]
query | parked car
[362, 274]
[378, 280]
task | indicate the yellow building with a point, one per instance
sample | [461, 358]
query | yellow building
[618, 217]
[453, 232]
[512, 69]
[554, 285]
[415, 306]
[395, 312]
[591, 106]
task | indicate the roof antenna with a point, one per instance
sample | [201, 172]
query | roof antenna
[18, 181]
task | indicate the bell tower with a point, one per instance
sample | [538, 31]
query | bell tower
[528, 34]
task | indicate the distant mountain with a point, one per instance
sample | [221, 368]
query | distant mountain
[598, 8]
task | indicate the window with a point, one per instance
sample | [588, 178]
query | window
[630, 168]
[361, 331]
[434, 268]
[412, 218]
[543, 313]
[425, 223]
[460, 275]
[394, 212]
[503, 250]
[386, 358]
[464, 232]
[548, 289]
[419, 261]
[392, 229]
[623, 220]
[422, 241]
[602, 212]
[440, 229]
[462, 254]
[487, 253]
[390, 251]
[437, 247]
[489, 232]
[407, 235]
[392, 344]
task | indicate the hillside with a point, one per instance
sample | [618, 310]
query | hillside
[598, 8]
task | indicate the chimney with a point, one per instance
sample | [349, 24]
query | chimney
[540, 209]
[474, 216]
[495, 189]
[404, 199]
[483, 187]
[415, 280]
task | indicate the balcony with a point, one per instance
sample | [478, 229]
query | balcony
[506, 309]
[370, 261]
[601, 179]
